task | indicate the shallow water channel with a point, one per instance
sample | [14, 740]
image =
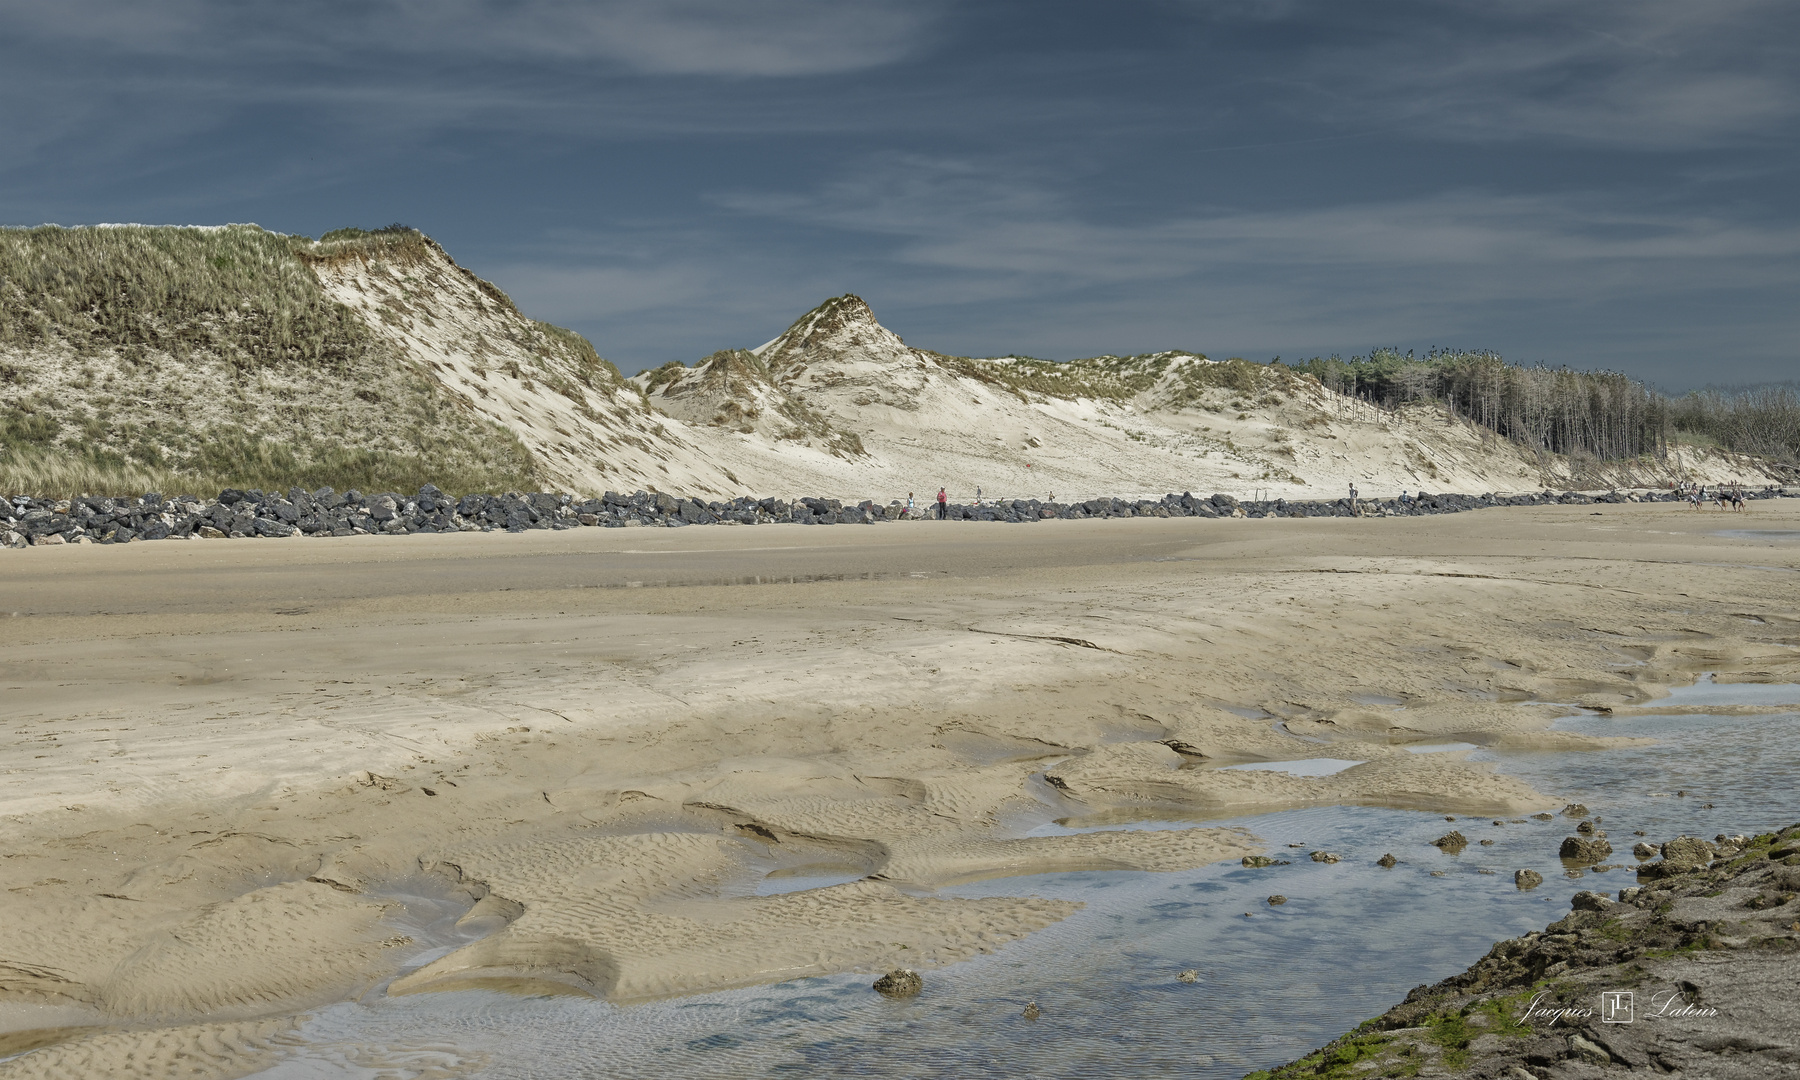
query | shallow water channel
[1274, 983]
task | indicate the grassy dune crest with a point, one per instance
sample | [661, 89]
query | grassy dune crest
[190, 359]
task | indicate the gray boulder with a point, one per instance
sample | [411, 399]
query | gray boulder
[1688, 850]
[1589, 901]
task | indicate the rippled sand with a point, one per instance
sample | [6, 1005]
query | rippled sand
[222, 753]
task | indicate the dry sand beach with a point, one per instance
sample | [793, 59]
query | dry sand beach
[224, 756]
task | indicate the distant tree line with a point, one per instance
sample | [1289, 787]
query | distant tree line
[1600, 414]
[1764, 420]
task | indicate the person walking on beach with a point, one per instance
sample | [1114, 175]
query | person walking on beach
[1354, 509]
[943, 499]
[907, 513]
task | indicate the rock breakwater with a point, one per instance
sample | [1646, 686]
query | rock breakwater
[233, 513]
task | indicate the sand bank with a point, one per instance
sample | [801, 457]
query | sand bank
[222, 755]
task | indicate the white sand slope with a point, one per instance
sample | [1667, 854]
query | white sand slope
[840, 406]
[586, 429]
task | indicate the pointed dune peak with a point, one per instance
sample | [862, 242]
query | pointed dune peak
[842, 328]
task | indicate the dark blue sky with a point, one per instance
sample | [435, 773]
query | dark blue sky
[1595, 184]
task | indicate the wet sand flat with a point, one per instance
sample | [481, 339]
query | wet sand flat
[218, 753]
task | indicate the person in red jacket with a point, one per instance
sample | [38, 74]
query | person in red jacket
[942, 500]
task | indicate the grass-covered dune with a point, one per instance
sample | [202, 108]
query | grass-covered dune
[138, 358]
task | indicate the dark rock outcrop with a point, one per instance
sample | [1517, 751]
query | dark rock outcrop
[900, 983]
[1584, 851]
[1694, 960]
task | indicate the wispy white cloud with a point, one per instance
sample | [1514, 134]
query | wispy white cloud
[1626, 73]
[955, 216]
[1004, 260]
[680, 37]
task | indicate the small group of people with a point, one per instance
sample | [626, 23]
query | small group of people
[943, 500]
[1729, 497]
[943, 503]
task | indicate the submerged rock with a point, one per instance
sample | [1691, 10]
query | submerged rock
[1451, 842]
[1577, 849]
[1032, 1012]
[1527, 879]
[1324, 857]
[1386, 862]
[900, 983]
[1257, 862]
[1277, 900]
[1188, 976]
[1575, 810]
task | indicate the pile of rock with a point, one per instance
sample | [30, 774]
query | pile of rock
[89, 519]
[1682, 975]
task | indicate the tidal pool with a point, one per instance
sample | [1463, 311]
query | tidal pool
[1273, 982]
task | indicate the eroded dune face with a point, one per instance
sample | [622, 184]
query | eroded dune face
[838, 405]
[213, 807]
